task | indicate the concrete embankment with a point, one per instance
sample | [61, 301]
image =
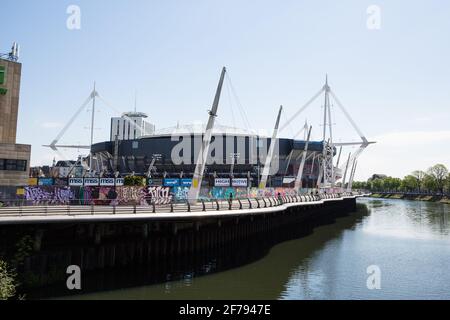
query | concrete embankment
[417, 197]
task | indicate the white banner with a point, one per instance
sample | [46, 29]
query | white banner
[76, 182]
[120, 181]
[222, 182]
[239, 182]
[91, 182]
[107, 182]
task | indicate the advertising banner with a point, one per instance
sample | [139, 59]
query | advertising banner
[222, 182]
[120, 182]
[107, 182]
[45, 181]
[75, 182]
[239, 182]
[171, 182]
[91, 182]
[186, 182]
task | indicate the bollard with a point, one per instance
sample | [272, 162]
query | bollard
[217, 203]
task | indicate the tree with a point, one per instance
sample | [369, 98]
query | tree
[439, 173]
[429, 183]
[396, 183]
[447, 183]
[409, 183]
[419, 175]
[378, 184]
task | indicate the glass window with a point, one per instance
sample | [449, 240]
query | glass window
[2, 74]
[13, 165]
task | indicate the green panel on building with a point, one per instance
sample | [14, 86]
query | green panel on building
[2, 74]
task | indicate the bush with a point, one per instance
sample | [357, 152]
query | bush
[134, 181]
[7, 282]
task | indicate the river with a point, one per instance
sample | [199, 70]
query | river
[408, 241]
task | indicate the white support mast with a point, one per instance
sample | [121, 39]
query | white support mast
[194, 191]
[269, 157]
[298, 181]
[94, 94]
[346, 169]
[350, 183]
[328, 173]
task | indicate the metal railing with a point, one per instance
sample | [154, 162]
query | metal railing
[203, 205]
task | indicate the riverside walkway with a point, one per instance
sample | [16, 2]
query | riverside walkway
[173, 211]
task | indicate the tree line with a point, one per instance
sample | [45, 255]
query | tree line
[434, 180]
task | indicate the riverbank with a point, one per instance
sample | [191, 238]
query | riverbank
[431, 198]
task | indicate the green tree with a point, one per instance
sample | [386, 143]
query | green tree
[430, 183]
[409, 183]
[420, 176]
[396, 183]
[378, 184]
[439, 173]
[447, 183]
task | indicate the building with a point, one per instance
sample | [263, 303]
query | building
[63, 168]
[130, 126]
[14, 158]
[242, 155]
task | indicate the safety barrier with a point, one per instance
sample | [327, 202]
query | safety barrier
[203, 205]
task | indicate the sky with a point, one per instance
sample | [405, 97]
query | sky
[393, 80]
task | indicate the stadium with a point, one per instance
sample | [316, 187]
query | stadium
[239, 153]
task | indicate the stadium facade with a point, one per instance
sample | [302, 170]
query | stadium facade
[236, 153]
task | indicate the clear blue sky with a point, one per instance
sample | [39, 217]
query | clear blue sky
[394, 81]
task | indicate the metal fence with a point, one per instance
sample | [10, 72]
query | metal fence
[50, 209]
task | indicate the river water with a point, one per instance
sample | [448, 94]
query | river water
[408, 241]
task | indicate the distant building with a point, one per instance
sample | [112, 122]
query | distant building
[130, 126]
[40, 172]
[14, 158]
[63, 168]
